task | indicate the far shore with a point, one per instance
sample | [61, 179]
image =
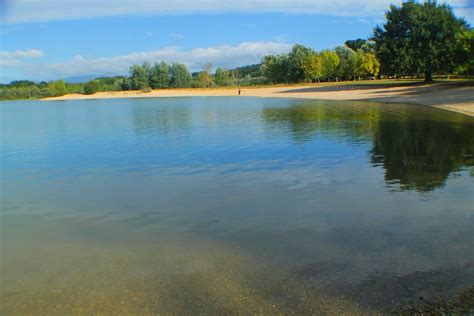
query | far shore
[456, 96]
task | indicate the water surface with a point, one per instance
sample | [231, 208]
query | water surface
[232, 205]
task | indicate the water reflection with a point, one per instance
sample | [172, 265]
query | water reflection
[418, 148]
[421, 153]
[350, 122]
[161, 120]
[231, 206]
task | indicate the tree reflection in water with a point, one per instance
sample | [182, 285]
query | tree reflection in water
[417, 146]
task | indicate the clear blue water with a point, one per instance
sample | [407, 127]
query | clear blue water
[232, 205]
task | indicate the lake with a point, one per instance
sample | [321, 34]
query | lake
[232, 205]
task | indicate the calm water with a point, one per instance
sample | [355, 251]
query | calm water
[232, 206]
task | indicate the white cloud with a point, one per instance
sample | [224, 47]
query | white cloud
[20, 11]
[30, 53]
[15, 58]
[176, 35]
[223, 56]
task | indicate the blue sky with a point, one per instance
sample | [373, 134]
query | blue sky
[49, 39]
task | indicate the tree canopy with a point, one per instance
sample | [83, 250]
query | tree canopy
[418, 38]
[57, 88]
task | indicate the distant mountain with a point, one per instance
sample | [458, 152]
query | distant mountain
[85, 78]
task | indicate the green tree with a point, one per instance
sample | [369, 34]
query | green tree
[250, 70]
[180, 76]
[203, 79]
[330, 62]
[139, 76]
[221, 76]
[465, 52]
[357, 44]
[418, 38]
[346, 67]
[275, 68]
[22, 83]
[160, 75]
[313, 67]
[57, 88]
[296, 60]
[92, 87]
[366, 64]
[75, 87]
[125, 84]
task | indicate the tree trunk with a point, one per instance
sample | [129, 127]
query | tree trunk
[428, 76]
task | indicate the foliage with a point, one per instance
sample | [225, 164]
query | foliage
[22, 83]
[159, 76]
[180, 76]
[346, 67]
[366, 64]
[465, 52]
[313, 67]
[203, 80]
[418, 38]
[330, 61]
[221, 76]
[57, 88]
[297, 57]
[303, 64]
[250, 71]
[75, 87]
[275, 68]
[92, 87]
[139, 76]
[357, 44]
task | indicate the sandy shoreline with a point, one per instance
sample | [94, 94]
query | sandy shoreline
[454, 97]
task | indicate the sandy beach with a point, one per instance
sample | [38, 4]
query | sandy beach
[454, 96]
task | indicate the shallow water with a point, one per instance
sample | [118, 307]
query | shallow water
[232, 206]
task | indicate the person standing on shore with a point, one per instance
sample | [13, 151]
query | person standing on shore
[239, 91]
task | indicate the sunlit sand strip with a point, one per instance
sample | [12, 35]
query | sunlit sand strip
[458, 99]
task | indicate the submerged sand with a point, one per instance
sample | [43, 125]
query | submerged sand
[455, 96]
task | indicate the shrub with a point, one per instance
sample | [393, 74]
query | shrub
[92, 87]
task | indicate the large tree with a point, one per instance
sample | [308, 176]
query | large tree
[296, 59]
[221, 76]
[313, 67]
[180, 76]
[366, 64]
[57, 88]
[330, 62]
[418, 38]
[160, 75]
[139, 76]
[346, 68]
[465, 52]
[275, 68]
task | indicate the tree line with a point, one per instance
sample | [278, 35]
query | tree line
[141, 77]
[303, 64]
[163, 75]
[417, 40]
[26, 89]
